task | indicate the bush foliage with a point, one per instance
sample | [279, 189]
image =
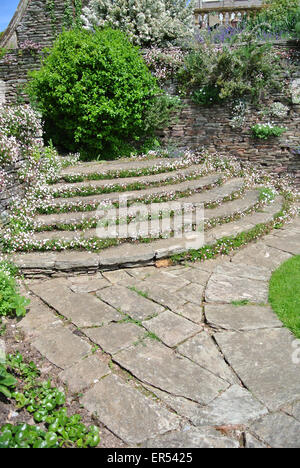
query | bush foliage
[280, 15]
[146, 22]
[212, 74]
[94, 91]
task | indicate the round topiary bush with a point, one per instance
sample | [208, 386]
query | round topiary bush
[94, 92]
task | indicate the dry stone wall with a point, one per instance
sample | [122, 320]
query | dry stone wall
[211, 128]
[38, 21]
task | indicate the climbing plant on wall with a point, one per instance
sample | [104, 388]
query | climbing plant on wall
[71, 14]
[50, 9]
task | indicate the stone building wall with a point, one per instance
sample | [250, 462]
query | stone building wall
[14, 68]
[37, 21]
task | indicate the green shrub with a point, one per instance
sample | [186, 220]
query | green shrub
[11, 302]
[265, 131]
[94, 90]
[280, 15]
[216, 73]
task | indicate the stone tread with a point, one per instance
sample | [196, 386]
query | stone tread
[143, 228]
[128, 255]
[162, 177]
[117, 165]
[141, 194]
[249, 199]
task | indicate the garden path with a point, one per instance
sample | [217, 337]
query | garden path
[184, 356]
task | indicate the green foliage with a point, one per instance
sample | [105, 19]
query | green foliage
[265, 131]
[69, 432]
[94, 91]
[207, 95]
[7, 382]
[284, 294]
[3, 52]
[11, 302]
[280, 15]
[267, 194]
[216, 73]
[45, 403]
[161, 113]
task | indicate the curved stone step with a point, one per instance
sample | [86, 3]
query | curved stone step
[210, 196]
[192, 185]
[192, 171]
[87, 168]
[133, 254]
[228, 209]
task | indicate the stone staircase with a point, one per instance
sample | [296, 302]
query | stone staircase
[157, 204]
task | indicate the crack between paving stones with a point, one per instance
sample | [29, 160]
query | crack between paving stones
[144, 382]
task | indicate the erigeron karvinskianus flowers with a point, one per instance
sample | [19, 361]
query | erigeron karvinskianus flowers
[146, 22]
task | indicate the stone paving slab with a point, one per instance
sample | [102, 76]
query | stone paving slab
[88, 285]
[168, 281]
[171, 328]
[117, 276]
[83, 374]
[191, 312]
[236, 406]
[39, 319]
[253, 443]
[61, 347]
[278, 430]
[193, 293]
[261, 255]
[157, 365]
[263, 361]
[84, 310]
[115, 336]
[129, 302]
[126, 412]
[202, 350]
[227, 289]
[141, 273]
[242, 270]
[183, 407]
[289, 244]
[248, 317]
[194, 275]
[159, 294]
[192, 438]
[209, 266]
[294, 410]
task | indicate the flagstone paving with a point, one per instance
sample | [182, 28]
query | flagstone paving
[174, 357]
